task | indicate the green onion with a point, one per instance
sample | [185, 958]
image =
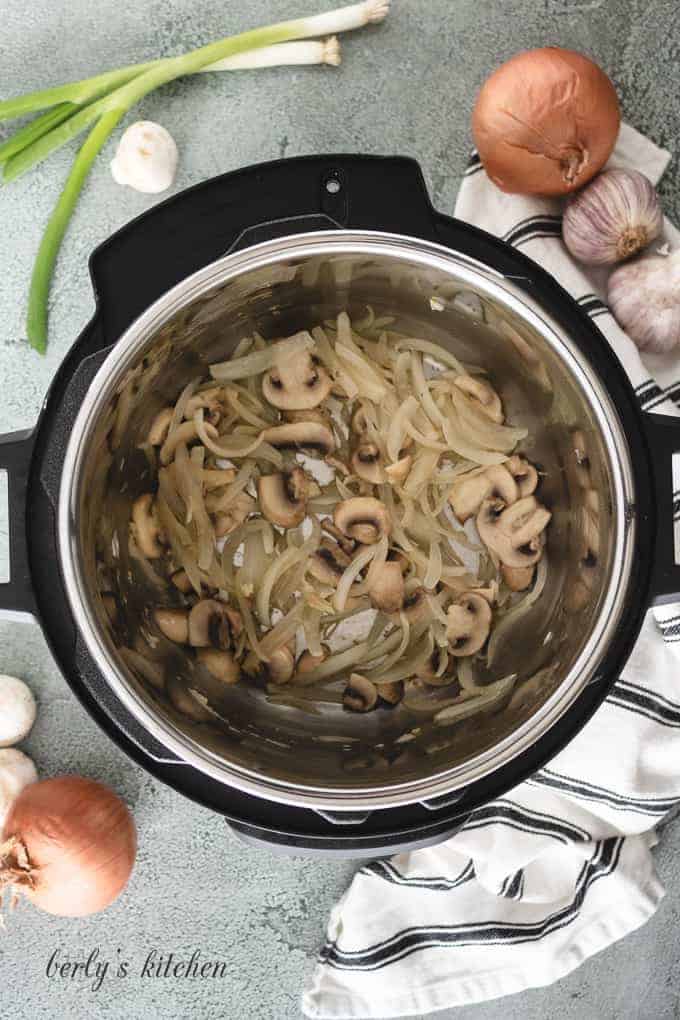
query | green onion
[36, 129]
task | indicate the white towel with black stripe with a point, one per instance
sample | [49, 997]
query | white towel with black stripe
[561, 867]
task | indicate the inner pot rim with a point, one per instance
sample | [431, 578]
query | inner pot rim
[495, 286]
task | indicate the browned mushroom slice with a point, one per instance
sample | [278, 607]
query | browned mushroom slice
[366, 463]
[220, 664]
[307, 662]
[360, 694]
[517, 578]
[348, 545]
[387, 589]
[174, 624]
[513, 533]
[181, 581]
[364, 518]
[296, 381]
[329, 562]
[415, 606]
[209, 625]
[281, 665]
[429, 671]
[283, 497]
[158, 431]
[524, 473]
[483, 394]
[390, 694]
[301, 435]
[398, 472]
[468, 493]
[146, 528]
[468, 624]
[211, 402]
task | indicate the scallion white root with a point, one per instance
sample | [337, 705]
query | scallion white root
[326, 51]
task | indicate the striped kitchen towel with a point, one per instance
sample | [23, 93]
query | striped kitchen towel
[561, 867]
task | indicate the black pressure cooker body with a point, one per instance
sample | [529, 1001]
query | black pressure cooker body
[164, 246]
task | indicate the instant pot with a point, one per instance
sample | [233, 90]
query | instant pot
[281, 247]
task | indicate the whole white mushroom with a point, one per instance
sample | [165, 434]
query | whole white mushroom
[146, 158]
[17, 710]
[16, 771]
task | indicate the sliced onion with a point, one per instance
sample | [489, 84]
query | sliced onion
[397, 429]
[219, 503]
[279, 566]
[466, 449]
[434, 566]
[333, 363]
[375, 566]
[350, 574]
[408, 666]
[477, 428]
[344, 661]
[423, 391]
[482, 702]
[436, 352]
[263, 360]
[399, 651]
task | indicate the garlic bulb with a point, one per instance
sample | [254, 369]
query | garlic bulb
[17, 710]
[16, 771]
[146, 158]
[645, 298]
[614, 217]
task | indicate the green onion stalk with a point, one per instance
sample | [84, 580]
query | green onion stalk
[99, 103]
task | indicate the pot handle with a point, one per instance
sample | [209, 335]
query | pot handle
[17, 601]
[663, 437]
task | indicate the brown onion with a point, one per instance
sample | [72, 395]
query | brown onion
[68, 845]
[545, 122]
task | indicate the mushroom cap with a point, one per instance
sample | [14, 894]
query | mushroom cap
[387, 589]
[307, 662]
[483, 394]
[524, 473]
[174, 624]
[470, 490]
[360, 694]
[329, 562]
[301, 435]
[220, 664]
[414, 607]
[281, 665]
[391, 694]
[428, 672]
[367, 462]
[468, 624]
[296, 382]
[517, 578]
[209, 625]
[146, 529]
[513, 533]
[283, 497]
[364, 518]
[181, 581]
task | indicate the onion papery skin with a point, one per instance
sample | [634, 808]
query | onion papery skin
[545, 122]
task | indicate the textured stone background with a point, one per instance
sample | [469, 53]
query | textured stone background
[405, 88]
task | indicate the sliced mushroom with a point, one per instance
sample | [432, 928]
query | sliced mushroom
[360, 423]
[301, 435]
[398, 472]
[360, 694]
[283, 497]
[307, 662]
[483, 394]
[364, 518]
[517, 578]
[329, 562]
[348, 545]
[281, 665]
[469, 492]
[513, 533]
[187, 701]
[391, 694]
[524, 473]
[209, 625]
[158, 431]
[415, 606]
[181, 581]
[230, 519]
[146, 528]
[468, 624]
[387, 590]
[174, 624]
[184, 433]
[296, 382]
[366, 463]
[220, 664]
[429, 674]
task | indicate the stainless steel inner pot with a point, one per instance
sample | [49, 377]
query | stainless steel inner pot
[334, 759]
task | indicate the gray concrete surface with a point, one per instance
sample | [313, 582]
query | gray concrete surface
[406, 88]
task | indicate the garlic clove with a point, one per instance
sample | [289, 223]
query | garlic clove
[17, 710]
[16, 771]
[644, 297]
[146, 158]
[613, 218]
